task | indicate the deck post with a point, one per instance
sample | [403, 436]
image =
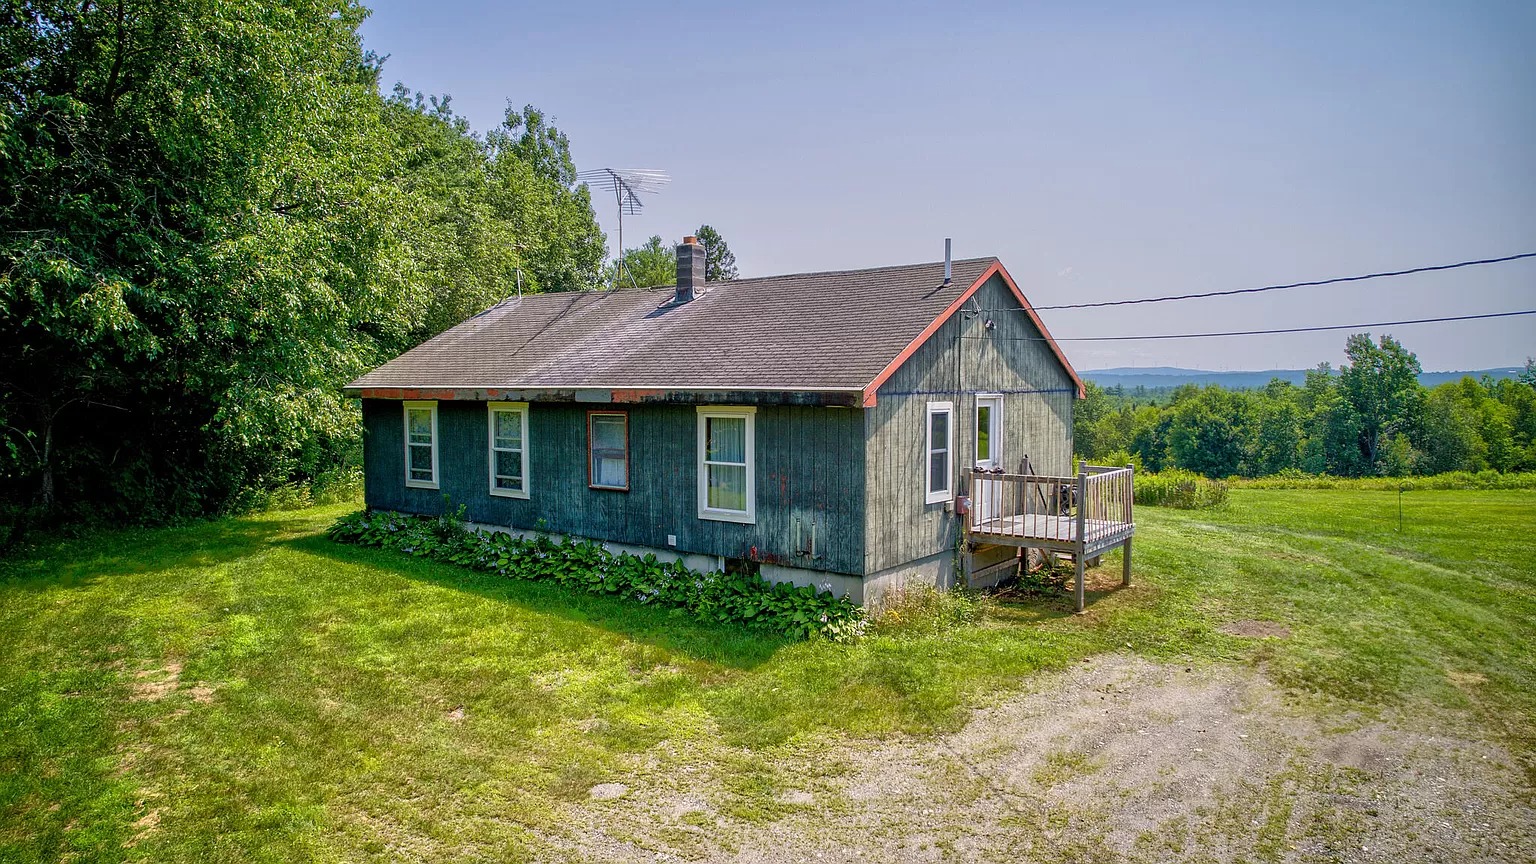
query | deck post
[1082, 524]
[1130, 496]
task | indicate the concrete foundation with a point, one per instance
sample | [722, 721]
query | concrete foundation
[840, 584]
[935, 571]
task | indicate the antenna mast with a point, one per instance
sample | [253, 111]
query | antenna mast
[625, 184]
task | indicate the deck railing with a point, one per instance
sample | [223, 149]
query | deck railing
[996, 497]
[1105, 500]
[1099, 498]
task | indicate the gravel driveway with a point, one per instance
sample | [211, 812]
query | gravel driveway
[1118, 759]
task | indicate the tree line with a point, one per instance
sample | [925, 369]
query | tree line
[211, 217]
[1370, 417]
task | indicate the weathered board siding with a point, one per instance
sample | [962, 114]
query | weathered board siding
[961, 359]
[809, 463]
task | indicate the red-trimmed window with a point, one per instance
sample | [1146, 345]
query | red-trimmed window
[608, 450]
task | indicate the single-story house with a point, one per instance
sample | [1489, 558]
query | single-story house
[813, 428]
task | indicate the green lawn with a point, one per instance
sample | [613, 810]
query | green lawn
[247, 690]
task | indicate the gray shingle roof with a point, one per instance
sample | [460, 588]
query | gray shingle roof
[832, 330]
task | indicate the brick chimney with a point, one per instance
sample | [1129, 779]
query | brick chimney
[690, 269]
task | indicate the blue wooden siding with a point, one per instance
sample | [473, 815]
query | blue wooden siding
[809, 466]
[961, 359]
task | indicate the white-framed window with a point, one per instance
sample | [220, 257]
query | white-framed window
[727, 485]
[421, 445]
[608, 450]
[989, 430]
[507, 428]
[938, 466]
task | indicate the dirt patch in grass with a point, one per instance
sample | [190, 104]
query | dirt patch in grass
[152, 685]
[144, 826]
[1119, 759]
[1466, 679]
[1256, 629]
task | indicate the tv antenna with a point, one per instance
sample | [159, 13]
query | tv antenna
[626, 184]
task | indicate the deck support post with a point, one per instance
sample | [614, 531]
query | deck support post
[1125, 566]
[1082, 524]
[1080, 593]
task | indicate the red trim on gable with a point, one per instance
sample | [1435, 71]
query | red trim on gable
[1040, 325]
[997, 268]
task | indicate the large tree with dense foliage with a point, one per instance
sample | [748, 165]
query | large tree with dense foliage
[210, 219]
[1206, 432]
[1274, 442]
[1381, 383]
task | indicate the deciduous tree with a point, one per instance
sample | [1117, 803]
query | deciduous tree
[1381, 384]
[719, 261]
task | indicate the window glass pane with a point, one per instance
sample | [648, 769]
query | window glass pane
[509, 470]
[939, 429]
[727, 487]
[938, 471]
[609, 471]
[983, 432]
[609, 465]
[607, 432]
[421, 459]
[726, 441]
[509, 429]
[420, 420]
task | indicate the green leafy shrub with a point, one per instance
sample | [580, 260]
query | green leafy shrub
[1116, 458]
[1184, 490]
[584, 565]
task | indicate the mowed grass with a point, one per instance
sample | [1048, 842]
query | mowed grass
[247, 690]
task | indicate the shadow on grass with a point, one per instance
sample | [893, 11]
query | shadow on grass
[70, 562]
[671, 630]
[1026, 606]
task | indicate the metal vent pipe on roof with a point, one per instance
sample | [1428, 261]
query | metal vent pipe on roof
[690, 269]
[947, 265]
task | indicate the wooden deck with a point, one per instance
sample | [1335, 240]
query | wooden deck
[1054, 532]
[1082, 516]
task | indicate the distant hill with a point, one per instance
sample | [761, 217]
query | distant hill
[1157, 377]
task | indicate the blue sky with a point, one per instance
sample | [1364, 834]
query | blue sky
[1102, 151]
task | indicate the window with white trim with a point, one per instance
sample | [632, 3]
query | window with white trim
[421, 445]
[938, 467]
[727, 481]
[507, 426]
[608, 450]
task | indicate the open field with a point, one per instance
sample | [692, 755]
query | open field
[1291, 679]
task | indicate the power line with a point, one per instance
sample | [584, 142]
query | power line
[1268, 332]
[1383, 275]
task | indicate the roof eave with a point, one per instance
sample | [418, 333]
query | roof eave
[824, 396]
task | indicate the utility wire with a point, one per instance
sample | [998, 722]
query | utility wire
[1266, 332]
[1384, 275]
